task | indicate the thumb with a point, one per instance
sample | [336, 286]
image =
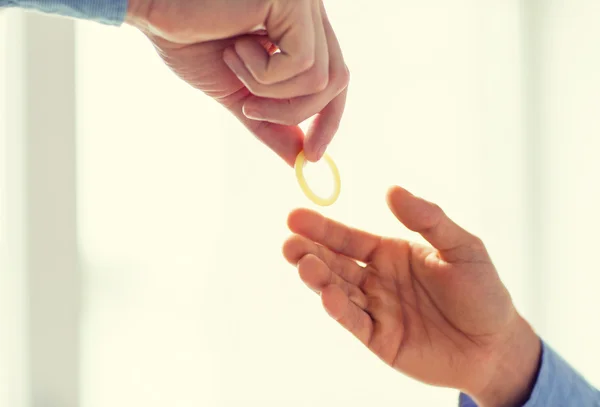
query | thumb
[453, 242]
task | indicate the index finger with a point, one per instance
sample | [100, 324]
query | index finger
[285, 141]
[350, 242]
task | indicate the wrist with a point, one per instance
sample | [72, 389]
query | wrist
[138, 12]
[516, 371]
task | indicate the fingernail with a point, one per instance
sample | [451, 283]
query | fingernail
[251, 113]
[321, 151]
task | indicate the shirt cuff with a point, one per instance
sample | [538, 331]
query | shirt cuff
[557, 384]
[110, 12]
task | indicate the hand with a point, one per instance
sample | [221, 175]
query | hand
[228, 50]
[440, 315]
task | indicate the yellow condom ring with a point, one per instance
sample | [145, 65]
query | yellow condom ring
[299, 167]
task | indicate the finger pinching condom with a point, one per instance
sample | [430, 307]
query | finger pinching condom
[299, 168]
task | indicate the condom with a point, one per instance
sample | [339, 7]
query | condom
[299, 167]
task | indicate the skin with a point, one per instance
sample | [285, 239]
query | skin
[438, 313]
[272, 63]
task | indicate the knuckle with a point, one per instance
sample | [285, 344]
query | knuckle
[357, 297]
[285, 112]
[345, 75]
[436, 211]
[261, 76]
[477, 244]
[305, 61]
[369, 284]
[477, 252]
[257, 127]
[333, 126]
[435, 216]
[292, 119]
[342, 78]
[320, 80]
[256, 89]
[345, 241]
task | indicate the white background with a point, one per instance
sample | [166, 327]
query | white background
[488, 108]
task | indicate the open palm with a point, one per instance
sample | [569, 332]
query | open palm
[439, 314]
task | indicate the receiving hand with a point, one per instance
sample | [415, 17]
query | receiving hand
[438, 314]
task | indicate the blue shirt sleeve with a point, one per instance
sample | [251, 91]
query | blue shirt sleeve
[557, 385]
[110, 12]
